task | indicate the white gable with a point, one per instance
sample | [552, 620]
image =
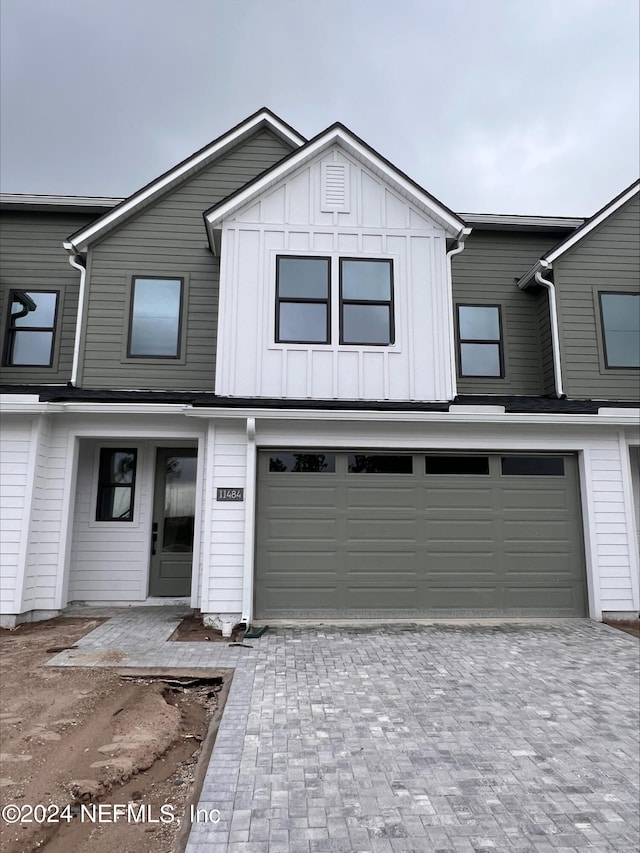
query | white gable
[335, 190]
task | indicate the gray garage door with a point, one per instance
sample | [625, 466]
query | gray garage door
[356, 535]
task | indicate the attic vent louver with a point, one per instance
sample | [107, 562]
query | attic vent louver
[335, 187]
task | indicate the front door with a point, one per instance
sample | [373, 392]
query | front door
[173, 516]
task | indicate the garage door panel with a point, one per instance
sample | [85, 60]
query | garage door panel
[380, 495]
[298, 599]
[302, 529]
[394, 565]
[453, 598]
[419, 544]
[559, 600]
[532, 498]
[285, 496]
[467, 529]
[447, 498]
[381, 530]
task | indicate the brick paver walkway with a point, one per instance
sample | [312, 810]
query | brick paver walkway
[432, 738]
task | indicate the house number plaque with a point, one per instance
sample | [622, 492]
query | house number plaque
[230, 495]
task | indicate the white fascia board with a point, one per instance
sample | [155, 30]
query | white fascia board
[529, 278]
[589, 226]
[82, 239]
[411, 417]
[452, 224]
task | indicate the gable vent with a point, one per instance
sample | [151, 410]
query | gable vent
[335, 187]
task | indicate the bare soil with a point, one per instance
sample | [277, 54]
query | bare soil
[89, 736]
[630, 626]
[192, 630]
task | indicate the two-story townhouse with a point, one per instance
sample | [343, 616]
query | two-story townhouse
[284, 381]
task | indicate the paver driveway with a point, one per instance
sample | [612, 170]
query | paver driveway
[427, 738]
[430, 739]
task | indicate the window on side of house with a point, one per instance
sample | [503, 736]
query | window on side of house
[480, 341]
[620, 318]
[303, 296]
[156, 316]
[31, 328]
[366, 302]
[116, 484]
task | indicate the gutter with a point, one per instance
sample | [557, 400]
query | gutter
[459, 248]
[76, 262]
[555, 331]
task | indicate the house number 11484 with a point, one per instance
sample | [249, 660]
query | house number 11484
[230, 495]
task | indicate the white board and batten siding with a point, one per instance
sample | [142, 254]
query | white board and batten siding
[309, 213]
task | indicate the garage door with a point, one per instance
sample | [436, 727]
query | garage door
[362, 534]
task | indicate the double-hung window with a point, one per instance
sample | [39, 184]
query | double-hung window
[620, 315]
[480, 341]
[155, 317]
[366, 301]
[31, 328]
[303, 300]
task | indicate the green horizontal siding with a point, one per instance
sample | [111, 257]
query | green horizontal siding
[486, 273]
[608, 259]
[32, 256]
[166, 239]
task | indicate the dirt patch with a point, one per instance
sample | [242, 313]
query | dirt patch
[630, 626]
[85, 738]
[192, 630]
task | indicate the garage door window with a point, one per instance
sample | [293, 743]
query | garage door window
[457, 465]
[361, 464]
[533, 466]
[302, 463]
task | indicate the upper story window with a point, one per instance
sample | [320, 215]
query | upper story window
[480, 341]
[620, 313]
[31, 328]
[116, 484]
[304, 301]
[156, 317]
[366, 301]
[303, 292]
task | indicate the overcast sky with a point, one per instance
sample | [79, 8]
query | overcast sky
[501, 106]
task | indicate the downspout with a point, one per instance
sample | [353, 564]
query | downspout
[74, 260]
[452, 332]
[555, 335]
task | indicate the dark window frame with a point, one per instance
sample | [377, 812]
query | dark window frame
[371, 454]
[11, 329]
[523, 459]
[390, 303]
[103, 484]
[332, 455]
[603, 329]
[486, 341]
[296, 300]
[132, 295]
[474, 458]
